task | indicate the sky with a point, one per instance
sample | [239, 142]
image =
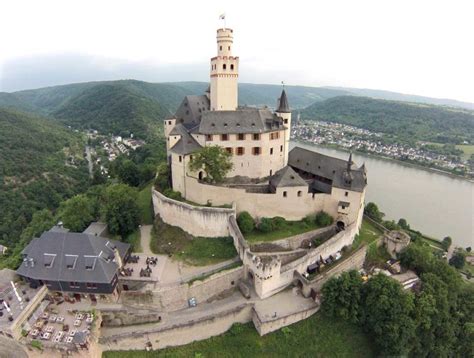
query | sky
[415, 47]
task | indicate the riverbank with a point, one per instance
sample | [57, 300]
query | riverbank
[388, 159]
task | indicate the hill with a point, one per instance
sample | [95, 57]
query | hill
[408, 121]
[395, 96]
[112, 108]
[41, 163]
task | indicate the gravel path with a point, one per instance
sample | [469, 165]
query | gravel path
[145, 239]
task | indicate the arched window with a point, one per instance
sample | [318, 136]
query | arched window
[224, 66]
[231, 67]
[300, 193]
[285, 194]
[220, 48]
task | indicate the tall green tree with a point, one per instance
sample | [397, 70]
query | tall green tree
[342, 296]
[77, 213]
[372, 211]
[388, 315]
[41, 221]
[215, 161]
[122, 213]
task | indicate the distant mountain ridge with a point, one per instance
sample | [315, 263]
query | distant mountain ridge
[395, 96]
[131, 106]
[406, 120]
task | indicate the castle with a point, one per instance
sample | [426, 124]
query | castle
[267, 178]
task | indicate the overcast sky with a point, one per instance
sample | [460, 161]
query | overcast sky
[416, 46]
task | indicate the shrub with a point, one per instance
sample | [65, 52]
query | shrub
[246, 222]
[278, 222]
[170, 193]
[458, 260]
[37, 344]
[265, 225]
[323, 219]
[447, 241]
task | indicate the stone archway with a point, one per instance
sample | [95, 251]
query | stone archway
[201, 175]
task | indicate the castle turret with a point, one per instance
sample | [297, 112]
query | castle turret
[224, 73]
[283, 111]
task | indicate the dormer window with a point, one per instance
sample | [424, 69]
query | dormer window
[71, 261]
[48, 260]
[90, 262]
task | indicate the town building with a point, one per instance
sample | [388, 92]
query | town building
[73, 262]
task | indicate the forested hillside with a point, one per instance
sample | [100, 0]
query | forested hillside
[41, 163]
[407, 121]
[113, 108]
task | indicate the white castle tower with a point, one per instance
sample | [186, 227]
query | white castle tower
[224, 74]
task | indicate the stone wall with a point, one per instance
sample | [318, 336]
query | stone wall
[294, 242]
[265, 327]
[128, 316]
[175, 297]
[353, 262]
[195, 220]
[179, 334]
[293, 206]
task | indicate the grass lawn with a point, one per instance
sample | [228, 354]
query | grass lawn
[467, 149]
[289, 229]
[316, 336]
[145, 204]
[134, 240]
[368, 233]
[199, 251]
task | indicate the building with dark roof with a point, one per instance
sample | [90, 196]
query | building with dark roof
[73, 262]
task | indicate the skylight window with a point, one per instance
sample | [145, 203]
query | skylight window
[49, 260]
[71, 261]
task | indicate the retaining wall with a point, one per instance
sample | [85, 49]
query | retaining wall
[294, 242]
[195, 220]
[175, 297]
[179, 334]
[354, 262]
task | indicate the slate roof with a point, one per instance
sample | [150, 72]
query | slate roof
[328, 167]
[286, 177]
[191, 109]
[78, 249]
[242, 120]
[186, 144]
[283, 106]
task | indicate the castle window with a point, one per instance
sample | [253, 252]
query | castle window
[224, 137]
[256, 136]
[271, 151]
[209, 137]
[228, 150]
[220, 48]
[256, 150]
[347, 193]
[286, 120]
[285, 194]
[274, 135]
[240, 150]
[180, 158]
[224, 66]
[231, 67]
[240, 136]
[281, 148]
[300, 193]
[228, 48]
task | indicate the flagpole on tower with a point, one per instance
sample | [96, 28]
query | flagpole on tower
[222, 17]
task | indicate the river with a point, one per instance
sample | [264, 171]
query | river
[435, 204]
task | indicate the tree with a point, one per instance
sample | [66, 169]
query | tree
[122, 213]
[162, 180]
[403, 224]
[468, 249]
[42, 221]
[246, 222]
[387, 315]
[342, 297]
[458, 260]
[372, 211]
[447, 241]
[215, 161]
[77, 213]
[265, 225]
[323, 219]
[128, 172]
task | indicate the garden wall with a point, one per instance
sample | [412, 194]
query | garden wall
[175, 297]
[195, 220]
